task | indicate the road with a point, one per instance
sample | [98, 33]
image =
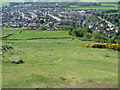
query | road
[109, 23]
[54, 17]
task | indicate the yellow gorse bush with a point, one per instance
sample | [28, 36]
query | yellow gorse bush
[104, 45]
[97, 40]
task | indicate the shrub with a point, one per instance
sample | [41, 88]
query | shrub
[98, 46]
[72, 32]
[96, 40]
[65, 27]
[42, 28]
[104, 45]
[78, 32]
[117, 41]
[18, 61]
[88, 35]
[6, 47]
[96, 35]
[111, 40]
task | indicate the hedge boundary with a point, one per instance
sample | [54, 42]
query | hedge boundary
[104, 45]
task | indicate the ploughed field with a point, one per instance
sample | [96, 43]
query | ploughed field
[57, 63]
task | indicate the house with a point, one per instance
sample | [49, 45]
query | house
[90, 26]
[14, 25]
[57, 27]
[117, 30]
[32, 25]
[109, 33]
[99, 28]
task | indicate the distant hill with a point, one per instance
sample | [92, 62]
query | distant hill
[81, 0]
[12, 0]
[108, 0]
[60, 0]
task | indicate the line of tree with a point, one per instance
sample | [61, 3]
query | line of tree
[86, 33]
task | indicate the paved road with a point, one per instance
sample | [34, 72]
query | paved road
[54, 17]
[109, 23]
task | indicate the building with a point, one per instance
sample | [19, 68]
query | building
[28, 0]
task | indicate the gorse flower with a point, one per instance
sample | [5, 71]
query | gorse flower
[104, 45]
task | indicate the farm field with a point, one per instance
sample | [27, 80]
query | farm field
[103, 6]
[29, 34]
[58, 63]
[4, 4]
[99, 7]
[39, 34]
[8, 31]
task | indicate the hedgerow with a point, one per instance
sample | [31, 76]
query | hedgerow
[104, 45]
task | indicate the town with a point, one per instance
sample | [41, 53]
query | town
[54, 15]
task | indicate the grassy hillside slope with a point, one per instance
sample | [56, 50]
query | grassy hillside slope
[59, 63]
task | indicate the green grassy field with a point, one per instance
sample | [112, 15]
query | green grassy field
[59, 63]
[103, 6]
[74, 6]
[4, 4]
[7, 31]
[39, 34]
[99, 7]
[34, 34]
